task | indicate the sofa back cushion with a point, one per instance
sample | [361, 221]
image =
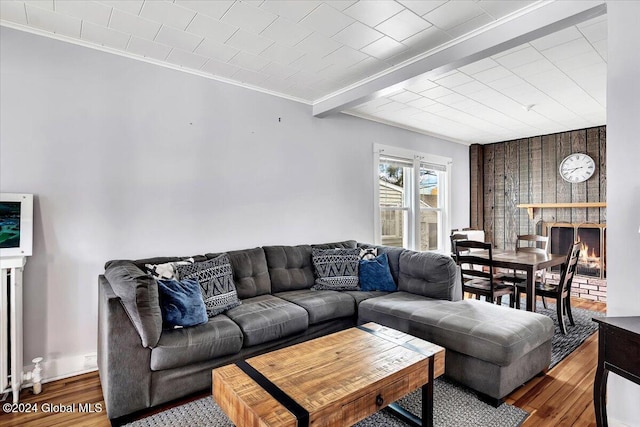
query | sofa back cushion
[141, 263]
[429, 274]
[347, 244]
[250, 272]
[290, 267]
[138, 292]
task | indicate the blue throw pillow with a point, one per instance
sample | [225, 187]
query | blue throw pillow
[181, 303]
[375, 274]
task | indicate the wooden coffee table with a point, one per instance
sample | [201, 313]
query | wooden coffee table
[335, 380]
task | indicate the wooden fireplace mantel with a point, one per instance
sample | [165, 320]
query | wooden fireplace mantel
[530, 207]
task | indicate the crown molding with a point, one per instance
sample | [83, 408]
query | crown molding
[153, 61]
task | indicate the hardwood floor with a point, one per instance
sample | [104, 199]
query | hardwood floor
[563, 397]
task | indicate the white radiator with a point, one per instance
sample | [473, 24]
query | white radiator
[11, 325]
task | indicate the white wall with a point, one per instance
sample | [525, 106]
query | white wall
[623, 188]
[131, 160]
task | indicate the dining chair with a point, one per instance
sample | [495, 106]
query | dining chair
[455, 237]
[561, 291]
[478, 277]
[474, 234]
[536, 244]
[532, 243]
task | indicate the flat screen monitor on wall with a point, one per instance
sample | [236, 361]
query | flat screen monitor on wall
[16, 224]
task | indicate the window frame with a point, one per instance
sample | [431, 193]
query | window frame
[412, 239]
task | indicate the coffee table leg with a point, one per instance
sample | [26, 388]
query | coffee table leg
[427, 398]
[427, 405]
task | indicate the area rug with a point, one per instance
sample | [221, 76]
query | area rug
[454, 406]
[564, 345]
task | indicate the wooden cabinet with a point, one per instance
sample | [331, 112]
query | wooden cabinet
[618, 352]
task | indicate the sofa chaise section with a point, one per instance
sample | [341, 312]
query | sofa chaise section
[490, 348]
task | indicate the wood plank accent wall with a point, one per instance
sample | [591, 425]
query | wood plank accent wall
[476, 164]
[506, 174]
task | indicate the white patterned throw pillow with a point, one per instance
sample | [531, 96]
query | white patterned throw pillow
[167, 270]
[368, 253]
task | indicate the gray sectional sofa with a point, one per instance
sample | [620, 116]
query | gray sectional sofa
[491, 349]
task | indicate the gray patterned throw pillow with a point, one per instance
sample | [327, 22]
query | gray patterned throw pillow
[216, 283]
[336, 269]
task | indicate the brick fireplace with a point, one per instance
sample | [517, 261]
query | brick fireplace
[590, 280]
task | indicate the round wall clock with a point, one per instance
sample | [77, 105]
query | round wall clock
[577, 167]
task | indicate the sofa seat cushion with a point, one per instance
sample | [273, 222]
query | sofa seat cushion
[395, 309]
[360, 296]
[496, 334]
[266, 318]
[321, 305]
[220, 336]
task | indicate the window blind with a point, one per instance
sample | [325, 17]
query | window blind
[396, 162]
[434, 166]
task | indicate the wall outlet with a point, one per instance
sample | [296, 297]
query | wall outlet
[90, 360]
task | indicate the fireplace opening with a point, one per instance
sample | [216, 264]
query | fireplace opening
[589, 262]
[592, 252]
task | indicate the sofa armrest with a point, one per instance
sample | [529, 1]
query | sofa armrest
[123, 363]
[138, 294]
[430, 274]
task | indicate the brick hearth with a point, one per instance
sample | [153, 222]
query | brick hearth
[585, 287]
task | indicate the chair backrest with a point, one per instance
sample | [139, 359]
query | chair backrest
[472, 234]
[455, 237]
[532, 243]
[471, 254]
[569, 269]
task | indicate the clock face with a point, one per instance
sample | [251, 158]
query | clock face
[577, 167]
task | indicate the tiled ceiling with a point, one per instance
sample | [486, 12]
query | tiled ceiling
[307, 50]
[550, 85]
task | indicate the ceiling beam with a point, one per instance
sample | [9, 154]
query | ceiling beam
[541, 19]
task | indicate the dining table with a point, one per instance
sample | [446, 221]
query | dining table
[530, 262]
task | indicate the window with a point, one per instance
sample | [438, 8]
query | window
[412, 199]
